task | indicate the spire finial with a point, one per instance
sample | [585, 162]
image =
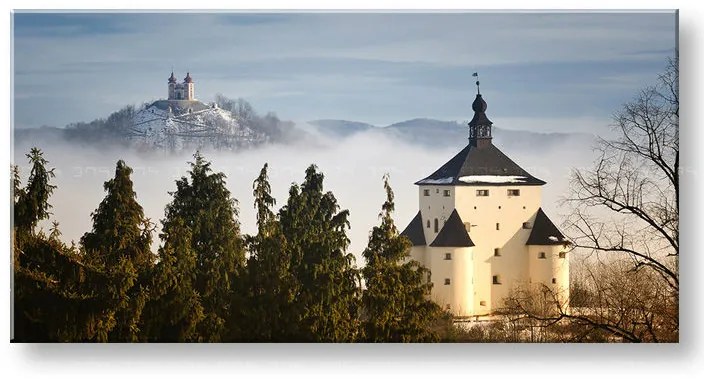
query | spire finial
[476, 75]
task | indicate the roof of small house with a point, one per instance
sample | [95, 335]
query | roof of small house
[414, 231]
[544, 232]
[485, 165]
[453, 233]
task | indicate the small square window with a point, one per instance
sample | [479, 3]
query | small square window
[426, 192]
[541, 255]
[482, 192]
[448, 256]
[562, 254]
[495, 279]
[526, 225]
[482, 303]
[446, 193]
[554, 280]
[514, 192]
[497, 226]
[447, 281]
[499, 207]
[497, 252]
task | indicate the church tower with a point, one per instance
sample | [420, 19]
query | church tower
[181, 91]
[481, 229]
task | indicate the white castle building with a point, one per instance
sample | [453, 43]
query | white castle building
[481, 231]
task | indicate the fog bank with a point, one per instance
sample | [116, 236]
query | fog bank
[353, 169]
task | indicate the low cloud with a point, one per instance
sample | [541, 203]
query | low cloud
[353, 169]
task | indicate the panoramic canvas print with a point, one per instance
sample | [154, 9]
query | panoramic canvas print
[345, 177]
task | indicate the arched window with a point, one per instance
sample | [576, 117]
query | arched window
[436, 225]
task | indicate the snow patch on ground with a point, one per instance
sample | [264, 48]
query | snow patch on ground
[213, 127]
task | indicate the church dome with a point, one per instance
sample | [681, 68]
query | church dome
[188, 78]
[479, 105]
[172, 78]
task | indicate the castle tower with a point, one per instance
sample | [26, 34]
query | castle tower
[481, 230]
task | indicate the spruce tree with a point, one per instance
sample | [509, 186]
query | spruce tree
[176, 310]
[31, 204]
[119, 244]
[396, 308]
[270, 281]
[316, 233]
[51, 301]
[204, 207]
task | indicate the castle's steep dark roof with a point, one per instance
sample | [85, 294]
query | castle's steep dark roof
[545, 232]
[414, 231]
[453, 233]
[485, 165]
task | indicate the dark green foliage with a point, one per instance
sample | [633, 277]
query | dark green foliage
[119, 245]
[176, 310]
[120, 229]
[315, 230]
[272, 287]
[31, 204]
[396, 308]
[203, 206]
[51, 299]
[298, 283]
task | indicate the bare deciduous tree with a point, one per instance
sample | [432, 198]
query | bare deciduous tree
[625, 212]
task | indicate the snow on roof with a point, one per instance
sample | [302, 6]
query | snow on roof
[436, 181]
[493, 179]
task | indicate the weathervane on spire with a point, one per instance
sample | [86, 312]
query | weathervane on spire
[476, 75]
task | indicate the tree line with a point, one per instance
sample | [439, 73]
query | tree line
[292, 281]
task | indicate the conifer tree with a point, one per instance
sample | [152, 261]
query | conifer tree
[315, 230]
[50, 301]
[31, 204]
[119, 244]
[271, 283]
[395, 305]
[204, 207]
[176, 310]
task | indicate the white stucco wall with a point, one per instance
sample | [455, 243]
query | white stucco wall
[483, 213]
[459, 294]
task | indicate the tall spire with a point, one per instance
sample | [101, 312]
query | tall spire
[480, 126]
[476, 75]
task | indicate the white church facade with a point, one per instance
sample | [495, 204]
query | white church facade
[481, 230]
[181, 91]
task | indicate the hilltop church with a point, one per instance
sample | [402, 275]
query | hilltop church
[481, 230]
